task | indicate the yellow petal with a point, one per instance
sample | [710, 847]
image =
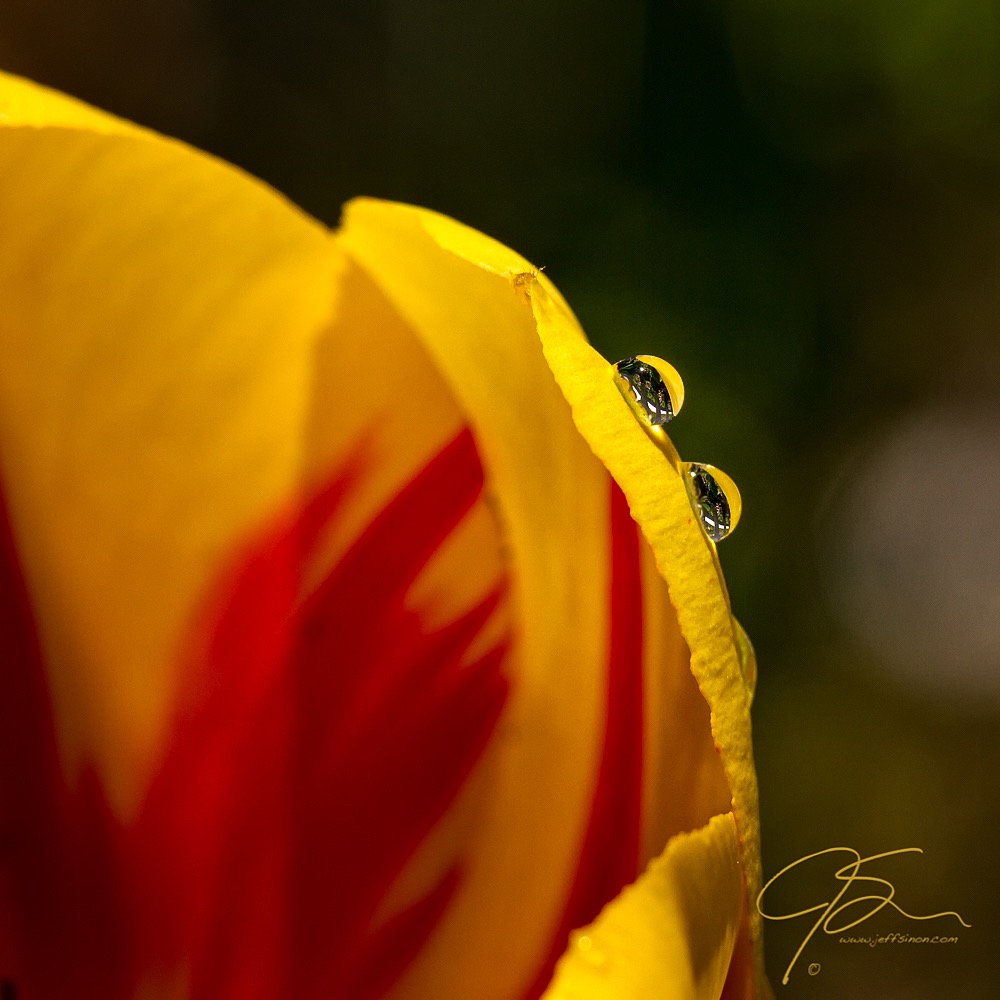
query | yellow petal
[149, 414]
[658, 499]
[684, 783]
[182, 353]
[481, 310]
[26, 104]
[481, 335]
[686, 558]
[671, 934]
[150, 417]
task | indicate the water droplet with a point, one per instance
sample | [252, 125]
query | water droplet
[589, 952]
[651, 387]
[748, 658]
[716, 499]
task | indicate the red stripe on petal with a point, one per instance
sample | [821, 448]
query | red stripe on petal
[316, 744]
[609, 857]
[62, 933]
[395, 945]
[739, 983]
[336, 733]
[29, 770]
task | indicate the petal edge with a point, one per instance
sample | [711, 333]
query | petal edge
[671, 933]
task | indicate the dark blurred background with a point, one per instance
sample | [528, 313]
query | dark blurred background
[797, 203]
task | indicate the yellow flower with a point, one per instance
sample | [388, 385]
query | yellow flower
[335, 663]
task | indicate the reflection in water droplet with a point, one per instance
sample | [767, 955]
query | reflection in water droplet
[591, 954]
[748, 658]
[716, 499]
[652, 388]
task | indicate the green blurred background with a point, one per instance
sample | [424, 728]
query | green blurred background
[797, 203]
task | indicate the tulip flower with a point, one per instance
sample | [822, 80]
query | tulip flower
[358, 640]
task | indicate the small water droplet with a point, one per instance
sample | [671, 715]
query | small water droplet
[589, 952]
[716, 499]
[748, 658]
[651, 387]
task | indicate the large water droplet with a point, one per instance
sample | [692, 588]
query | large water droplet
[652, 388]
[716, 499]
[748, 658]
